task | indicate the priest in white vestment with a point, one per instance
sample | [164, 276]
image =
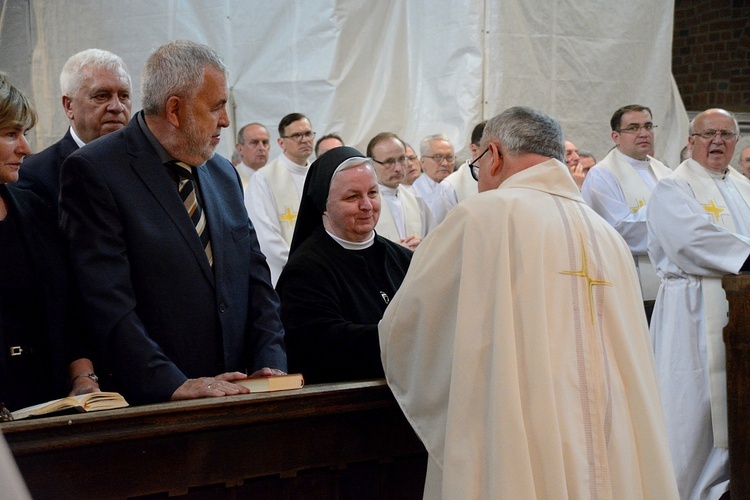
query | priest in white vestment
[273, 195]
[516, 345]
[437, 160]
[253, 145]
[699, 230]
[461, 184]
[405, 218]
[620, 186]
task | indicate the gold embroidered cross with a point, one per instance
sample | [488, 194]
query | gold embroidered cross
[713, 209]
[288, 216]
[583, 272]
[641, 203]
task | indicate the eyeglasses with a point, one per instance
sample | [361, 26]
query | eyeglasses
[474, 168]
[299, 136]
[635, 128]
[391, 162]
[440, 158]
[727, 135]
[412, 157]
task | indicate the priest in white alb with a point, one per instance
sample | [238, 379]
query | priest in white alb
[460, 184]
[273, 195]
[405, 217]
[699, 230]
[620, 186]
[517, 346]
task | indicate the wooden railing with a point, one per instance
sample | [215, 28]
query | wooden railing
[737, 342]
[345, 440]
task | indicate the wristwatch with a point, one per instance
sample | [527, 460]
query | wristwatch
[91, 375]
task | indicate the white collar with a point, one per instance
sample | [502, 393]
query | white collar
[76, 138]
[353, 245]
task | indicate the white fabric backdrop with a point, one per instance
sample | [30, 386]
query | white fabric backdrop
[359, 67]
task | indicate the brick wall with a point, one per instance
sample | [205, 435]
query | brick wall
[711, 54]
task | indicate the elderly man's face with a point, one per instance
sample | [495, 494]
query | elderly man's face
[716, 152]
[353, 205]
[101, 105]
[390, 162]
[571, 155]
[638, 143]
[586, 162]
[254, 151]
[298, 140]
[413, 170]
[439, 161]
[203, 117]
[745, 161]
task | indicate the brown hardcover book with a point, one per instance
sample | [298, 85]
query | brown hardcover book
[270, 384]
[93, 401]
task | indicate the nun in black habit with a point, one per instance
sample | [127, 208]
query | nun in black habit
[340, 275]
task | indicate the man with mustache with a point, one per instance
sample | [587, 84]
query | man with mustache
[698, 230]
[178, 294]
[96, 93]
[620, 186]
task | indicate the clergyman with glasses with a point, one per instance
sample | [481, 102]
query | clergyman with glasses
[619, 188]
[405, 217]
[273, 194]
[699, 230]
[516, 346]
[438, 161]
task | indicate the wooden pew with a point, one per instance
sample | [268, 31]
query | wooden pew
[346, 440]
[737, 343]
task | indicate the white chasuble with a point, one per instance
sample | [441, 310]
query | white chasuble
[518, 350]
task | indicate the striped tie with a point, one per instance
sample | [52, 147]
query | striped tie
[186, 188]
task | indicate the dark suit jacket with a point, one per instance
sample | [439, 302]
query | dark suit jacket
[40, 172]
[160, 313]
[62, 340]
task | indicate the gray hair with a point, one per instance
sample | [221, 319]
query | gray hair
[74, 70]
[424, 145]
[176, 69]
[523, 130]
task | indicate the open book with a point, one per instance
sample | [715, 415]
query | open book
[93, 401]
[270, 384]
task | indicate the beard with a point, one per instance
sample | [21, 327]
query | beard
[196, 144]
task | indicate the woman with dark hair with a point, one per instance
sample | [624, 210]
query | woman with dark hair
[40, 344]
[340, 275]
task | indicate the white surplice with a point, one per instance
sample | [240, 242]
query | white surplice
[518, 350]
[697, 234]
[462, 185]
[403, 214]
[272, 200]
[618, 188]
[434, 193]
[246, 173]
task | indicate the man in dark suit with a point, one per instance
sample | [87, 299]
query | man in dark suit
[180, 306]
[95, 87]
